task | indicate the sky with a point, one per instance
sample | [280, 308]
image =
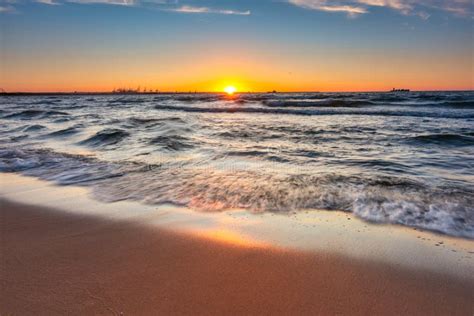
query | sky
[254, 45]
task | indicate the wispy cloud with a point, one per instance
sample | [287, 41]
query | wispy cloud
[406, 7]
[352, 8]
[49, 2]
[457, 7]
[6, 6]
[164, 5]
[6, 9]
[322, 5]
[399, 5]
[112, 2]
[191, 9]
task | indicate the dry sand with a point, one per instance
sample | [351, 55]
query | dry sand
[58, 263]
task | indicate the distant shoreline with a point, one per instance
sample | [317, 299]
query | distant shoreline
[203, 92]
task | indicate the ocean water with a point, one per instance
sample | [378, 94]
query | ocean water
[399, 158]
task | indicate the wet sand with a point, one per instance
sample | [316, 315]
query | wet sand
[59, 263]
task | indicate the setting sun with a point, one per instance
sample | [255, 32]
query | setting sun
[230, 90]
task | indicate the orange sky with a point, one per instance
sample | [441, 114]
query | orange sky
[360, 73]
[271, 46]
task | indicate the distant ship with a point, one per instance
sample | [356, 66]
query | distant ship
[400, 90]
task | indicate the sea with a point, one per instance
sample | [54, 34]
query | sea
[404, 158]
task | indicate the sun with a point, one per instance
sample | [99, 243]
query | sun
[230, 90]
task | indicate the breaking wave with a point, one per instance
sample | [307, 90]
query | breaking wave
[394, 200]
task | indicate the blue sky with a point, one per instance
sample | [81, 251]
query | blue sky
[185, 45]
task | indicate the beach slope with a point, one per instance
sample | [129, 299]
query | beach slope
[56, 263]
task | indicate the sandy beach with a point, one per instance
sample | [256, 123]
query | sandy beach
[59, 263]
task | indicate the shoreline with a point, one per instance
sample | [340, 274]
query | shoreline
[336, 233]
[56, 262]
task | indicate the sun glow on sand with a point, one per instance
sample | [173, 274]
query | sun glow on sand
[230, 90]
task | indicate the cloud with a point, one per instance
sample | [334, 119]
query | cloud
[50, 2]
[112, 2]
[406, 7]
[400, 5]
[353, 8]
[322, 5]
[191, 9]
[165, 5]
[6, 6]
[456, 7]
[6, 9]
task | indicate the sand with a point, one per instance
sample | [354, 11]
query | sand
[53, 263]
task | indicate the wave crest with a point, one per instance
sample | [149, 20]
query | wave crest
[106, 137]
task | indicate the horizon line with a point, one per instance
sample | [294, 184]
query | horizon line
[213, 92]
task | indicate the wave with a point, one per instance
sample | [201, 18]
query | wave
[448, 104]
[282, 96]
[172, 142]
[33, 128]
[199, 97]
[106, 137]
[61, 168]
[50, 101]
[246, 153]
[311, 112]
[30, 114]
[261, 152]
[319, 103]
[18, 138]
[148, 122]
[383, 164]
[63, 119]
[389, 98]
[444, 139]
[64, 132]
[254, 135]
[459, 104]
[126, 101]
[396, 200]
[386, 200]
[429, 97]
[380, 101]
